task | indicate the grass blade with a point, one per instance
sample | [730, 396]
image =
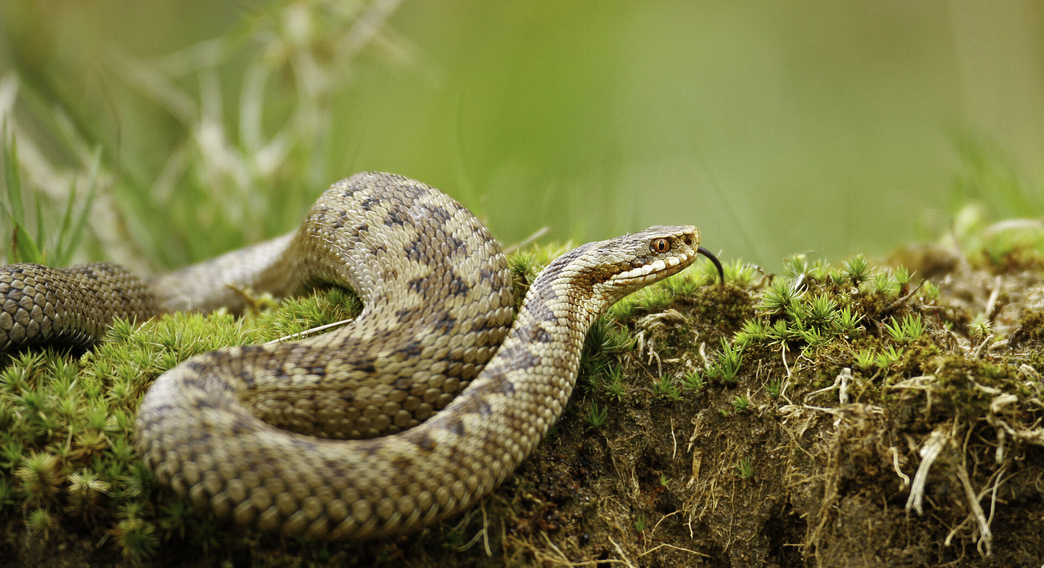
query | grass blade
[63, 241]
[72, 238]
[25, 249]
[40, 236]
[13, 178]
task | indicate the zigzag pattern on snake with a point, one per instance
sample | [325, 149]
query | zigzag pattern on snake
[258, 433]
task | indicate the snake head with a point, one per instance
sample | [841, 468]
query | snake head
[626, 264]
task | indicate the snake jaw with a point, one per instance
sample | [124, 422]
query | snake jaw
[656, 270]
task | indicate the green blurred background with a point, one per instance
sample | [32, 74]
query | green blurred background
[778, 128]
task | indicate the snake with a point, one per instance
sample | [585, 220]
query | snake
[426, 402]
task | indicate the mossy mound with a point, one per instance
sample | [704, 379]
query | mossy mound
[826, 416]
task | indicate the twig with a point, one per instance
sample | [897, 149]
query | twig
[895, 464]
[840, 382]
[783, 387]
[903, 300]
[311, 331]
[674, 439]
[659, 546]
[528, 240]
[621, 553]
[483, 534]
[992, 302]
[933, 446]
[986, 342]
[973, 502]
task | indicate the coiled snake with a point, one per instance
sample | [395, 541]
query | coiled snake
[258, 433]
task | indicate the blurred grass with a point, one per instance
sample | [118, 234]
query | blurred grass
[224, 175]
[49, 246]
[998, 215]
[819, 128]
[989, 178]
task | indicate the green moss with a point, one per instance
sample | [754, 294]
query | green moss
[722, 307]
[67, 445]
[596, 416]
[729, 359]
[598, 365]
[614, 385]
[693, 381]
[1031, 327]
[136, 538]
[968, 386]
[40, 522]
[666, 389]
[740, 403]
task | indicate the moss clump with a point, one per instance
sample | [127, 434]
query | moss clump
[1030, 330]
[67, 457]
[723, 307]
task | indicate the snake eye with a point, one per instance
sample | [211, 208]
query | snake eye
[660, 245]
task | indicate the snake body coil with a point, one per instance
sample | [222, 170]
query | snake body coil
[258, 433]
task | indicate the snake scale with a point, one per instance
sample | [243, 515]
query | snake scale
[283, 436]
